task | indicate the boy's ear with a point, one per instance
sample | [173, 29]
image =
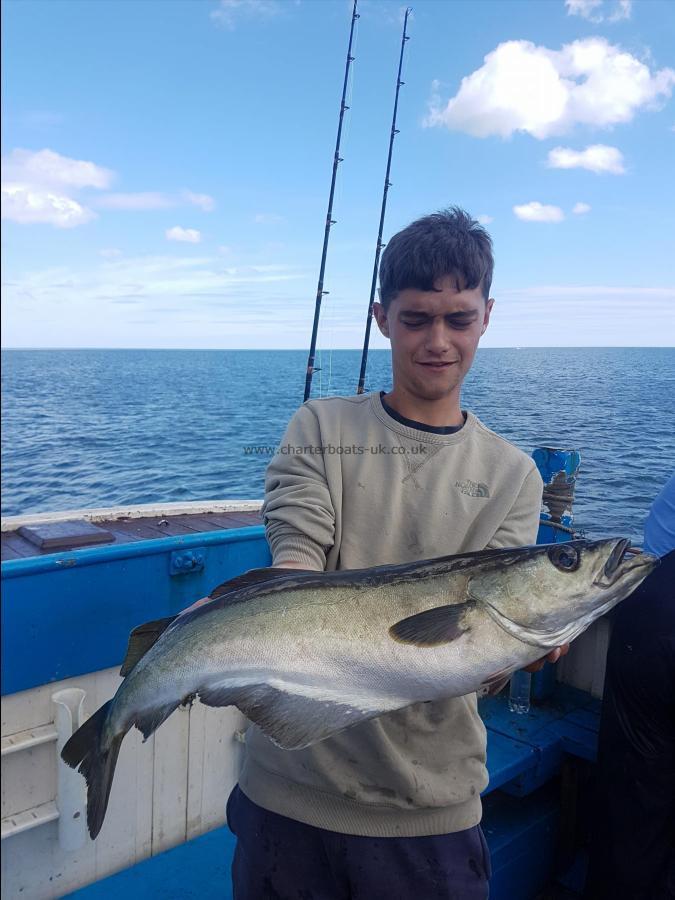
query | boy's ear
[486, 318]
[381, 318]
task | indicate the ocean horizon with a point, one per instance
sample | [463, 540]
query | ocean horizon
[97, 427]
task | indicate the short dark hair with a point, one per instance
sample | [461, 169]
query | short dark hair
[448, 242]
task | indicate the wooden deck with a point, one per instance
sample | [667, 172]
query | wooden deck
[128, 530]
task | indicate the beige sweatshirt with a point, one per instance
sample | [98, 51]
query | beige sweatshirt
[352, 487]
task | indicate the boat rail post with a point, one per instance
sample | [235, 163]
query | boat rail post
[71, 796]
[558, 468]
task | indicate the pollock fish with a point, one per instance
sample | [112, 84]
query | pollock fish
[305, 655]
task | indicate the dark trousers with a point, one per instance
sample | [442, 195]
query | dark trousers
[280, 859]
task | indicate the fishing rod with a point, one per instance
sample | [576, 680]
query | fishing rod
[387, 185]
[337, 159]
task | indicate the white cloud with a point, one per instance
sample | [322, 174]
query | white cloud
[573, 291]
[110, 252]
[203, 201]
[581, 208]
[598, 158]
[522, 87]
[150, 278]
[143, 200]
[229, 12]
[29, 206]
[484, 219]
[187, 235]
[584, 8]
[622, 10]
[267, 218]
[49, 169]
[36, 186]
[603, 316]
[594, 10]
[538, 212]
[149, 200]
[162, 300]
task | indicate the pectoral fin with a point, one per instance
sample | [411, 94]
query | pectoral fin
[495, 683]
[439, 625]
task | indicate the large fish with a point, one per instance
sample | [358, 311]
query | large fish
[307, 654]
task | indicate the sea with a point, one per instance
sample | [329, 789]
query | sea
[97, 428]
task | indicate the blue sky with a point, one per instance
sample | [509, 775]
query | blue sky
[166, 166]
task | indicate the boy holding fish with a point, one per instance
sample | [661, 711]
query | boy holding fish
[390, 807]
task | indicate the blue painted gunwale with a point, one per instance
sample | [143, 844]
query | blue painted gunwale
[68, 614]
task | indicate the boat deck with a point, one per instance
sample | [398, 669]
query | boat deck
[126, 530]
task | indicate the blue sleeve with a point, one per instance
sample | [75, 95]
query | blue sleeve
[660, 524]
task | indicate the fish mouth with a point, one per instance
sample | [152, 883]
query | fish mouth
[616, 557]
[618, 563]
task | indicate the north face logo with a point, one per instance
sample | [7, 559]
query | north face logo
[473, 488]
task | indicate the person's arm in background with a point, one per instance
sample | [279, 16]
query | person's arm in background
[519, 529]
[298, 510]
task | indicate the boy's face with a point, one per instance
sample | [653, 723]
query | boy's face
[434, 336]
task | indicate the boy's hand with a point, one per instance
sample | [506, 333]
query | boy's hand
[551, 657]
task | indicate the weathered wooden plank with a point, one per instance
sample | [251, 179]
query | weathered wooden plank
[126, 531]
[200, 523]
[227, 518]
[14, 541]
[169, 796]
[135, 529]
[584, 665]
[214, 762]
[28, 779]
[239, 521]
[163, 527]
[126, 833]
[185, 524]
[9, 552]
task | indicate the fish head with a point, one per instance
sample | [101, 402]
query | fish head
[549, 594]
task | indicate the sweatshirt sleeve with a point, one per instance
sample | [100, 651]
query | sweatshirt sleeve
[298, 509]
[521, 525]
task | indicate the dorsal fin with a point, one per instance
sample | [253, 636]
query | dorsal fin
[254, 576]
[142, 639]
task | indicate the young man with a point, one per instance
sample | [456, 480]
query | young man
[389, 808]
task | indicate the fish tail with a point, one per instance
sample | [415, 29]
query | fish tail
[88, 751]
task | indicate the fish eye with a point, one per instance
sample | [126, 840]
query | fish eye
[564, 558]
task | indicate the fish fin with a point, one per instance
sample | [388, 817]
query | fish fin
[494, 683]
[149, 721]
[85, 750]
[142, 639]
[254, 576]
[291, 719]
[440, 625]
